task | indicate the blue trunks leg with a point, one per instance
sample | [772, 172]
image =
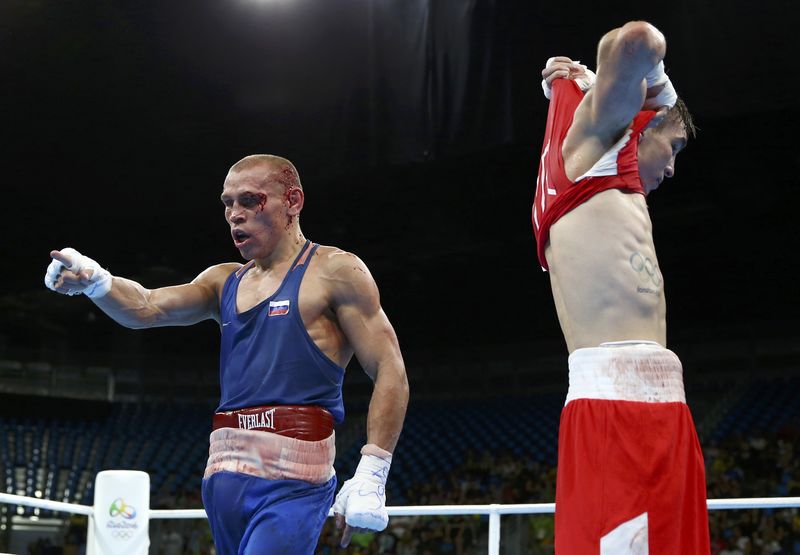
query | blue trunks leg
[254, 516]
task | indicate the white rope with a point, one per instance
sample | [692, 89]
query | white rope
[494, 510]
[409, 510]
[178, 513]
[46, 504]
[754, 503]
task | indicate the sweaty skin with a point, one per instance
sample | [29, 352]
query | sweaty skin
[604, 288]
[604, 273]
[339, 301]
[619, 490]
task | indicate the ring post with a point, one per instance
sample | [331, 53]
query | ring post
[121, 513]
[494, 529]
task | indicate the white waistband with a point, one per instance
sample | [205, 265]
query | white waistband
[641, 371]
[270, 456]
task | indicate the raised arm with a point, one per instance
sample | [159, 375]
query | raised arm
[625, 57]
[128, 302]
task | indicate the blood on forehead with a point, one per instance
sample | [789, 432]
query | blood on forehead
[266, 179]
[285, 177]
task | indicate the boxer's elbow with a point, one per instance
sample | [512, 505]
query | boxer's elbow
[394, 382]
[140, 319]
[160, 316]
[130, 305]
[141, 314]
[641, 41]
[399, 386]
[133, 316]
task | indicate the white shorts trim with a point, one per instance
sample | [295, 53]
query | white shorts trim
[641, 371]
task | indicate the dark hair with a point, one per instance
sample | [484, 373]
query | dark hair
[680, 114]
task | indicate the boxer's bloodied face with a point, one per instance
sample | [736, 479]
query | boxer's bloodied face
[657, 152]
[259, 209]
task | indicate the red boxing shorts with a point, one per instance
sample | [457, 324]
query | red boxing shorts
[631, 477]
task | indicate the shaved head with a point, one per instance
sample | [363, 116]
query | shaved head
[276, 169]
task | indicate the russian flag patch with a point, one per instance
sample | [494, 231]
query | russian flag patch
[278, 308]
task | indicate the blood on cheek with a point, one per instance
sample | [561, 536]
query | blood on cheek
[287, 197]
[247, 202]
[262, 201]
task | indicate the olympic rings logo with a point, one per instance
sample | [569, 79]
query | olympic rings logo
[646, 268]
[122, 534]
[120, 508]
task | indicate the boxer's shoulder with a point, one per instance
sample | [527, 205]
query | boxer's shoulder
[330, 260]
[340, 272]
[215, 276]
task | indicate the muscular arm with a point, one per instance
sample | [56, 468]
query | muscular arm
[624, 57]
[357, 306]
[134, 306]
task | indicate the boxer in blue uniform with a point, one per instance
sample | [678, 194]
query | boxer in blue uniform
[291, 319]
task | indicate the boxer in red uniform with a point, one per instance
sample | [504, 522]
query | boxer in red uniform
[631, 476]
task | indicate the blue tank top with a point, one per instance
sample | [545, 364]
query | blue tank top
[267, 356]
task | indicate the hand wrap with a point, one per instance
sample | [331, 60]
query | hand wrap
[667, 97]
[585, 82]
[362, 499]
[98, 284]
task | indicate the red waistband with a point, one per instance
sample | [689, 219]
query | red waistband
[308, 423]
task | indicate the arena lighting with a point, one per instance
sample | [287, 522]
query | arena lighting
[267, 2]
[260, 7]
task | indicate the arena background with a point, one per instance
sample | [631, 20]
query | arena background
[416, 127]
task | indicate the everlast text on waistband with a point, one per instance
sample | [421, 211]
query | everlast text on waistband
[309, 423]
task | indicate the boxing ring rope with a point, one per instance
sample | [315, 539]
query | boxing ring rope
[495, 510]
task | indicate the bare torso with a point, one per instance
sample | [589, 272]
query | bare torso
[606, 282]
[314, 299]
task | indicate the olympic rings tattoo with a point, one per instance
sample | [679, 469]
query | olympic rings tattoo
[646, 268]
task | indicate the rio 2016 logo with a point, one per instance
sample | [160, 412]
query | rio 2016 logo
[120, 508]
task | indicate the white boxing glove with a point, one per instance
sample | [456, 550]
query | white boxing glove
[362, 499]
[585, 81]
[95, 286]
